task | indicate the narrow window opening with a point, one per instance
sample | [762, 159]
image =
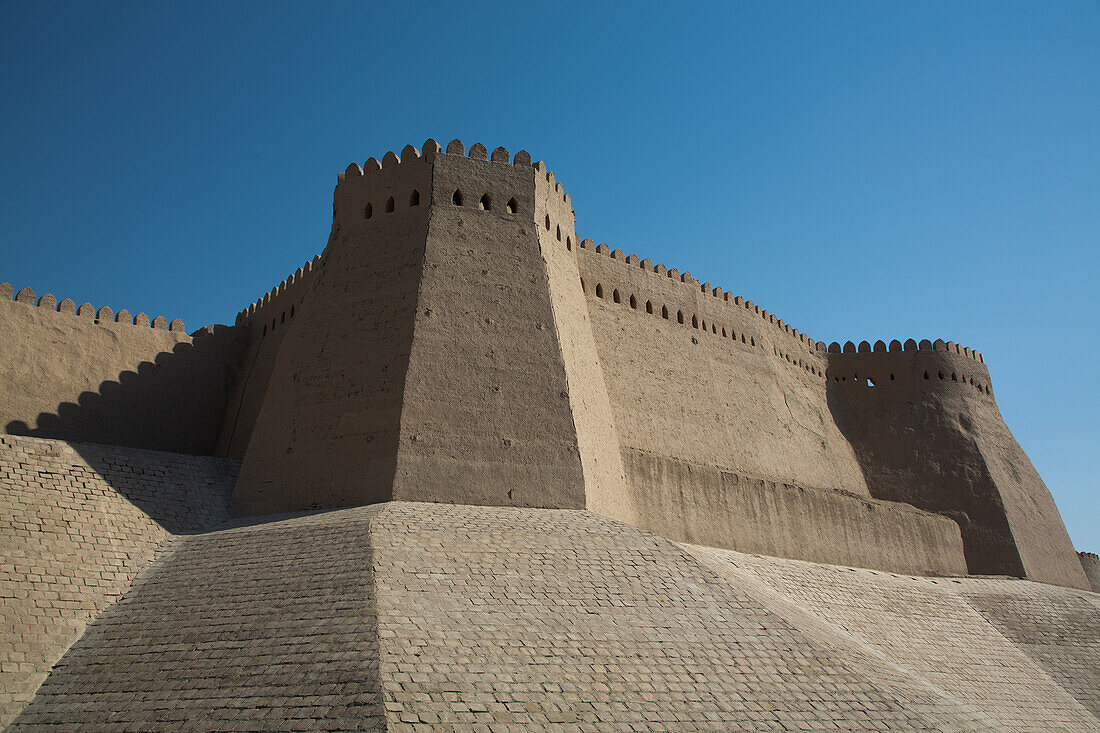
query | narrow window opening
[987, 389]
[891, 377]
[679, 316]
[649, 306]
[547, 222]
[583, 290]
[664, 312]
[751, 338]
[723, 331]
[512, 206]
[457, 198]
[615, 296]
[486, 203]
[714, 330]
[414, 198]
[954, 377]
[389, 205]
[368, 212]
[694, 322]
[926, 375]
[599, 290]
[292, 311]
[569, 243]
[559, 233]
[264, 331]
[282, 318]
[941, 376]
[870, 382]
[273, 329]
[633, 302]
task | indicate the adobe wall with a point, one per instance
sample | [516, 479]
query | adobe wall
[708, 506]
[326, 433]
[81, 374]
[264, 324]
[487, 415]
[700, 376]
[1090, 562]
[607, 490]
[79, 522]
[924, 423]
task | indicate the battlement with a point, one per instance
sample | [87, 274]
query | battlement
[924, 362]
[281, 302]
[717, 294]
[86, 310]
[457, 341]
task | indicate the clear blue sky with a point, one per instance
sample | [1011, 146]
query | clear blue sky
[864, 170]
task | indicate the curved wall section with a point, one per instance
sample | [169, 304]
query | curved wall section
[927, 432]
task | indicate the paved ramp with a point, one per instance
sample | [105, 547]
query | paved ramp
[409, 616]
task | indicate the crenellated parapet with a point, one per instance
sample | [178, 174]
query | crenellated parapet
[680, 298]
[281, 303]
[926, 364]
[103, 315]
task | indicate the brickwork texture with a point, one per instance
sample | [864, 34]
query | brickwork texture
[80, 522]
[434, 617]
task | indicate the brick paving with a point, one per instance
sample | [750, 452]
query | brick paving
[1024, 653]
[80, 521]
[436, 617]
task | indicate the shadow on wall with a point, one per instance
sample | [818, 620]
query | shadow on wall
[174, 403]
[911, 450]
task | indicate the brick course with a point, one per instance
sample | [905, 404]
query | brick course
[79, 522]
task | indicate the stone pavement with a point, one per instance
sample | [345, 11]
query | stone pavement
[79, 522]
[409, 616]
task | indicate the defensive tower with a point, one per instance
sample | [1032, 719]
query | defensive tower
[441, 350]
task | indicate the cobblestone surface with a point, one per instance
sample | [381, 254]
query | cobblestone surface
[408, 616]
[79, 521]
[508, 619]
[1024, 653]
[260, 627]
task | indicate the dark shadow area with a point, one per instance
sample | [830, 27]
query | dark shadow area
[174, 403]
[912, 449]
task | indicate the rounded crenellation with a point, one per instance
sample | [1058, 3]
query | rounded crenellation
[280, 303]
[933, 365]
[68, 307]
[1090, 562]
[793, 341]
[376, 187]
[400, 183]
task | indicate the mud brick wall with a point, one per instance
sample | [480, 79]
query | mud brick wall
[79, 522]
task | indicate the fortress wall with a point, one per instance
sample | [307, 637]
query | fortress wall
[264, 324]
[486, 417]
[928, 432]
[717, 508]
[742, 395]
[1090, 562]
[606, 489]
[327, 431]
[81, 374]
[80, 521]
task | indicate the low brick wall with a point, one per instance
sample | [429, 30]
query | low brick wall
[80, 520]
[709, 506]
